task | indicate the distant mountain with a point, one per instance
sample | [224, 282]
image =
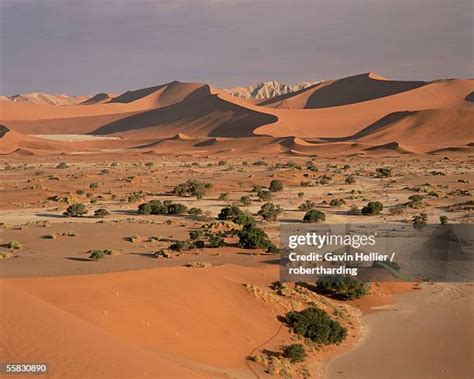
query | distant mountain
[45, 98]
[267, 90]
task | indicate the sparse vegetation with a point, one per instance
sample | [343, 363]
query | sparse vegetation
[270, 212]
[76, 210]
[294, 352]
[315, 324]
[314, 215]
[372, 208]
[342, 287]
[276, 186]
[101, 213]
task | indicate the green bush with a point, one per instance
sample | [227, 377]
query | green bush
[307, 205]
[251, 237]
[62, 165]
[224, 196]
[342, 287]
[443, 220]
[372, 208]
[75, 210]
[101, 212]
[315, 324]
[415, 201]
[269, 211]
[97, 254]
[420, 220]
[167, 207]
[294, 352]
[195, 211]
[276, 185]
[314, 215]
[192, 188]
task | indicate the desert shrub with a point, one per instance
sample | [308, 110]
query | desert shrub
[97, 254]
[245, 201]
[420, 220]
[270, 212]
[149, 164]
[135, 196]
[294, 352]
[229, 213]
[62, 165]
[224, 196]
[93, 185]
[324, 179]
[195, 211]
[196, 234]
[372, 208]
[336, 202]
[443, 220]
[307, 205]
[101, 212]
[276, 185]
[251, 237]
[415, 201]
[300, 194]
[161, 254]
[5, 255]
[75, 210]
[215, 241]
[342, 287]
[257, 188]
[264, 195]
[315, 324]
[383, 172]
[156, 207]
[182, 246]
[14, 245]
[350, 179]
[192, 188]
[80, 192]
[176, 209]
[314, 215]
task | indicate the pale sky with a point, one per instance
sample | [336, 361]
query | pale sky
[88, 46]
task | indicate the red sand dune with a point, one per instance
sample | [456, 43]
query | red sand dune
[365, 108]
[113, 324]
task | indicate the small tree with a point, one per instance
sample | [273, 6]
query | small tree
[443, 219]
[294, 352]
[314, 215]
[251, 237]
[270, 212]
[342, 287]
[420, 220]
[101, 212]
[372, 208]
[276, 186]
[75, 210]
[307, 205]
[315, 324]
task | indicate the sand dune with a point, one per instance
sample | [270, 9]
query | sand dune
[118, 318]
[366, 109]
[354, 89]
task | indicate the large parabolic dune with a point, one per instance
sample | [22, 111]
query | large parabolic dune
[364, 109]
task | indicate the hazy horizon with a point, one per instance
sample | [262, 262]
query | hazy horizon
[81, 48]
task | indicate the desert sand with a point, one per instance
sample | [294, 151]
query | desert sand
[209, 312]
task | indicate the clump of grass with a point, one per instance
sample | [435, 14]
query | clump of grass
[15, 245]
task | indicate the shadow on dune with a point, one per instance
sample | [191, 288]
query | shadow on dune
[470, 97]
[382, 123]
[356, 89]
[199, 114]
